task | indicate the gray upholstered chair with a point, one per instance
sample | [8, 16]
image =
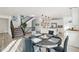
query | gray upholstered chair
[29, 45]
[64, 48]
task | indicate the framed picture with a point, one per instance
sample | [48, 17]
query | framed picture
[60, 26]
[37, 24]
[53, 25]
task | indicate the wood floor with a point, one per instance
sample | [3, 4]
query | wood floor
[5, 39]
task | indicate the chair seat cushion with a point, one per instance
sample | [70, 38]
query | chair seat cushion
[59, 49]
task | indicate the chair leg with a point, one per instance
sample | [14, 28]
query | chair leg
[47, 49]
[40, 49]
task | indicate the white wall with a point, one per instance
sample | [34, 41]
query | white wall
[45, 30]
[67, 25]
[16, 22]
[48, 11]
[37, 21]
[29, 23]
[3, 25]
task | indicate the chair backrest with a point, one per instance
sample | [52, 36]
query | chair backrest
[29, 45]
[65, 44]
[51, 32]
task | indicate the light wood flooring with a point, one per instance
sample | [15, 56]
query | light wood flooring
[5, 39]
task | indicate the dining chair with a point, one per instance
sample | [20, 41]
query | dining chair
[64, 48]
[29, 45]
[51, 32]
[54, 36]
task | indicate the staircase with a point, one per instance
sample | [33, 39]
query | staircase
[18, 32]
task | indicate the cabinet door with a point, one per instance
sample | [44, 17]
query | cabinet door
[73, 42]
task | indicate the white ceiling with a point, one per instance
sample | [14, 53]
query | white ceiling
[48, 11]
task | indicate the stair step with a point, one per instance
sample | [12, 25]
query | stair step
[18, 32]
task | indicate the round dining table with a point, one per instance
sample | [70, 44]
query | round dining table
[46, 42]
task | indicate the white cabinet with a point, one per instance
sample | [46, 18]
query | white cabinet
[75, 15]
[73, 42]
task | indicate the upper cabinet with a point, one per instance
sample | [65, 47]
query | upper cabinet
[75, 16]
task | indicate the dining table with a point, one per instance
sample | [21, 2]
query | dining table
[46, 41]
